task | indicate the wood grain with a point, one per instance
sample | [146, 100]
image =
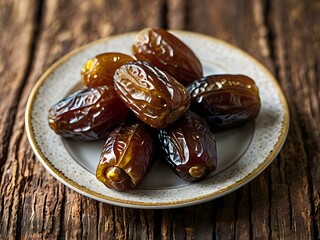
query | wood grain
[282, 203]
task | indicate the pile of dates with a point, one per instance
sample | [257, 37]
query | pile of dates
[155, 102]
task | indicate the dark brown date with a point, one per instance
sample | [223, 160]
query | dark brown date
[87, 114]
[126, 156]
[153, 96]
[190, 147]
[165, 51]
[99, 70]
[225, 100]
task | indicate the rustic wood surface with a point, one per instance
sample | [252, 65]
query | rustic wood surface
[282, 203]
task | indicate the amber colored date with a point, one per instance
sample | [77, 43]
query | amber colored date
[126, 156]
[190, 147]
[225, 100]
[87, 114]
[153, 96]
[165, 51]
[99, 70]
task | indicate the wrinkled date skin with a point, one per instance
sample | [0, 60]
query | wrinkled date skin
[165, 51]
[225, 100]
[88, 114]
[153, 96]
[126, 156]
[190, 147]
[99, 70]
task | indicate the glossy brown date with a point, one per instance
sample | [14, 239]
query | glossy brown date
[126, 156]
[99, 70]
[87, 114]
[189, 147]
[153, 96]
[165, 51]
[225, 100]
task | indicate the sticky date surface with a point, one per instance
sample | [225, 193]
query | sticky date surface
[152, 95]
[87, 114]
[189, 147]
[99, 70]
[225, 100]
[126, 156]
[165, 51]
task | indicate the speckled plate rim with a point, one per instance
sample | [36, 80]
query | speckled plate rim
[168, 204]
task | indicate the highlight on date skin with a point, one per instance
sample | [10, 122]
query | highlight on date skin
[168, 53]
[154, 96]
[190, 147]
[126, 156]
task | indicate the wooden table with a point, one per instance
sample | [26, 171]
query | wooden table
[282, 203]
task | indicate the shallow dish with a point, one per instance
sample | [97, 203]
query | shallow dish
[243, 152]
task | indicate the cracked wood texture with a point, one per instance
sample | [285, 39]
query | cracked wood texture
[282, 203]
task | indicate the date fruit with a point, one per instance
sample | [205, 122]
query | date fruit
[165, 51]
[88, 114]
[99, 70]
[190, 147]
[126, 156]
[225, 100]
[153, 96]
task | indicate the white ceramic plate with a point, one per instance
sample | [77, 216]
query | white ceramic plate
[242, 153]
